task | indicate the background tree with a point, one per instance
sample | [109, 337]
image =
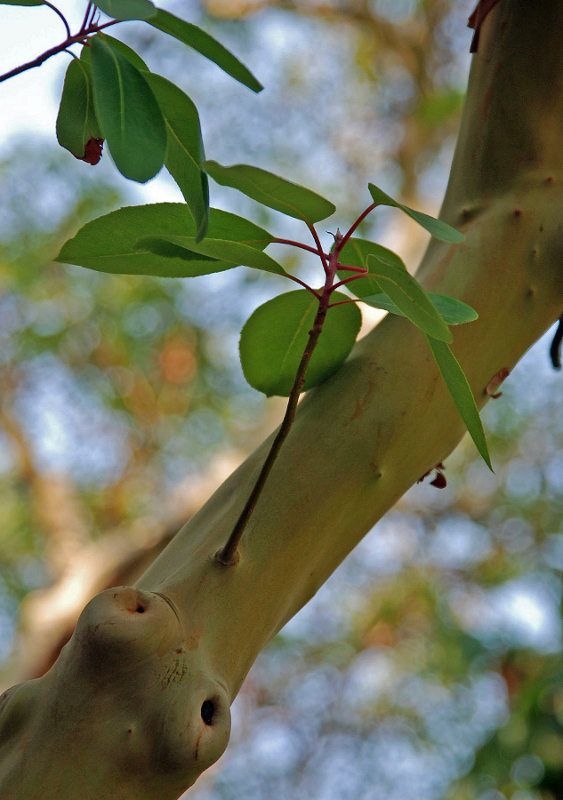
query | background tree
[350, 666]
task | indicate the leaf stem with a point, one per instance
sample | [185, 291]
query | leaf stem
[350, 231]
[347, 268]
[345, 302]
[313, 250]
[349, 279]
[305, 285]
[86, 16]
[321, 252]
[60, 14]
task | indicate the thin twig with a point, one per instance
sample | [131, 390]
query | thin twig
[345, 302]
[305, 285]
[351, 230]
[229, 554]
[348, 268]
[76, 39]
[60, 14]
[322, 255]
[313, 250]
[86, 16]
[349, 279]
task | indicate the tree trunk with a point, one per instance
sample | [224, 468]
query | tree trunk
[137, 706]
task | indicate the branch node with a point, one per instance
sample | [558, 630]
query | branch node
[227, 560]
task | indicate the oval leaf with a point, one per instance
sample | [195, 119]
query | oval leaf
[235, 253]
[127, 9]
[461, 393]
[409, 296]
[354, 254]
[108, 244]
[76, 120]
[272, 191]
[274, 338]
[128, 112]
[439, 229]
[453, 312]
[205, 44]
[184, 151]
[124, 49]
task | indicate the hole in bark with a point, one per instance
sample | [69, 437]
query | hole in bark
[207, 712]
[140, 609]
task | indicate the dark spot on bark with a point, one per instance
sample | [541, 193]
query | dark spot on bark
[517, 212]
[207, 712]
[439, 481]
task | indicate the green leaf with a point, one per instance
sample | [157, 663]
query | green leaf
[108, 244]
[408, 295]
[354, 254]
[21, 2]
[125, 50]
[453, 312]
[76, 120]
[205, 44]
[235, 253]
[128, 112]
[461, 393]
[272, 191]
[439, 229]
[274, 338]
[356, 251]
[184, 151]
[127, 9]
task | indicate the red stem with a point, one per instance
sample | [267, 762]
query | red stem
[344, 302]
[348, 268]
[313, 250]
[305, 285]
[60, 14]
[321, 253]
[86, 15]
[351, 230]
[348, 280]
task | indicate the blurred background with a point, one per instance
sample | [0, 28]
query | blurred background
[429, 665]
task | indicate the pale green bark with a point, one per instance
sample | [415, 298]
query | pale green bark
[119, 715]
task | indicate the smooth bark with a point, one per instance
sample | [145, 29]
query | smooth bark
[137, 706]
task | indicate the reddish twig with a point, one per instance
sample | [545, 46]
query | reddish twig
[353, 227]
[301, 245]
[229, 554]
[60, 14]
[321, 252]
[78, 38]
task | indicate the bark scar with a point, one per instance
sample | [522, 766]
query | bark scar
[495, 382]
